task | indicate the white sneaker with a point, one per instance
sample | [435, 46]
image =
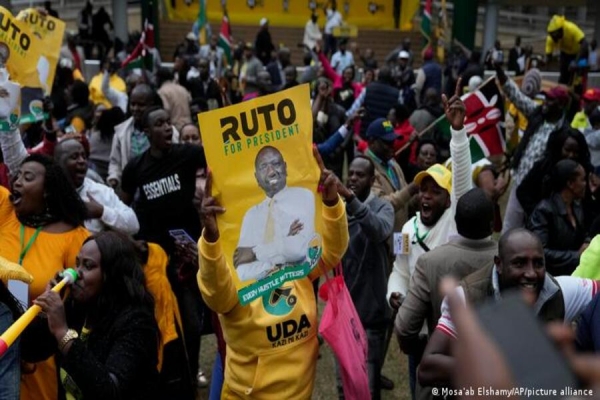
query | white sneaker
[201, 380]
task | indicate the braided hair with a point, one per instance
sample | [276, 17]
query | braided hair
[62, 200]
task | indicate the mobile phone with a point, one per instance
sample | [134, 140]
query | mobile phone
[181, 236]
[532, 358]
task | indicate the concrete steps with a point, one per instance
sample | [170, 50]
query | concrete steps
[380, 41]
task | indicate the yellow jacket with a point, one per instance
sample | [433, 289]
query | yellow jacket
[270, 356]
[572, 35]
[166, 309]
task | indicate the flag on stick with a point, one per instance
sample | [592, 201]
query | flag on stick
[141, 56]
[225, 38]
[426, 25]
[483, 122]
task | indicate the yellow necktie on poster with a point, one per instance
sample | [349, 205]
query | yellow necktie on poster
[270, 227]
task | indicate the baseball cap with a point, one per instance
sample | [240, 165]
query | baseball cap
[264, 21]
[592, 94]
[191, 36]
[557, 93]
[440, 174]
[404, 54]
[381, 129]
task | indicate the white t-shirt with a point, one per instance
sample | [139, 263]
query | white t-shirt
[334, 19]
[577, 293]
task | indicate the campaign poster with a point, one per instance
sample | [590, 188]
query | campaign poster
[51, 32]
[21, 53]
[265, 176]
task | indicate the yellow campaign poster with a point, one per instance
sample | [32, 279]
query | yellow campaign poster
[51, 31]
[20, 52]
[265, 176]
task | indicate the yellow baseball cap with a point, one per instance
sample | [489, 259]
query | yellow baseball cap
[440, 174]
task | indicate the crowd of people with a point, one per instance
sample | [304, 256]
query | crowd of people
[110, 180]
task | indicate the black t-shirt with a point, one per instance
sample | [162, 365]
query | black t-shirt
[163, 190]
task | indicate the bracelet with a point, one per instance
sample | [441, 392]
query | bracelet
[70, 335]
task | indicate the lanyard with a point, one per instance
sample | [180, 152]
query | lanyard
[419, 238]
[25, 247]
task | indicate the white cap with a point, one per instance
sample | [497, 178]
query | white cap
[191, 36]
[264, 21]
[404, 54]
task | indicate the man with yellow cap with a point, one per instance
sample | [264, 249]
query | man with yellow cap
[439, 191]
[569, 39]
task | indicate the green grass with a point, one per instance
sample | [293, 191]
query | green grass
[395, 368]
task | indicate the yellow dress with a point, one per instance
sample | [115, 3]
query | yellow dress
[49, 253]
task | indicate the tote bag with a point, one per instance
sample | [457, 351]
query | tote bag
[342, 330]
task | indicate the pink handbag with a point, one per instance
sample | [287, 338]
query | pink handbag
[342, 330]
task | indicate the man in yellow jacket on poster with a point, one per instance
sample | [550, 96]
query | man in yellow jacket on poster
[269, 356]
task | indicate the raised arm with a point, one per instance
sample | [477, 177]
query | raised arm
[335, 223]
[460, 152]
[330, 73]
[214, 278]
[13, 149]
[523, 103]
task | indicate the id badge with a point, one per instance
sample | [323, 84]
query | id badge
[401, 243]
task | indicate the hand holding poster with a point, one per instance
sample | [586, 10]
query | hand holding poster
[265, 176]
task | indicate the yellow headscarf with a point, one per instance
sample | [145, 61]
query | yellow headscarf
[557, 22]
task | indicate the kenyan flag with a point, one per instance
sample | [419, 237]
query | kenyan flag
[484, 121]
[225, 38]
[141, 57]
[426, 24]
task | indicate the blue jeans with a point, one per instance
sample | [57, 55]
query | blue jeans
[10, 366]
[216, 379]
